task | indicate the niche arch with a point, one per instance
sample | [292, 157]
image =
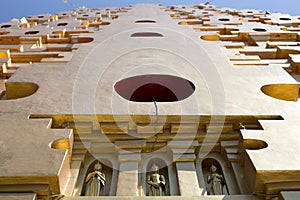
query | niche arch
[205, 166]
[163, 170]
[108, 171]
[109, 168]
[168, 171]
[204, 163]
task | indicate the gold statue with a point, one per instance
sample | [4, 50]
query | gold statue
[95, 182]
[216, 181]
[157, 182]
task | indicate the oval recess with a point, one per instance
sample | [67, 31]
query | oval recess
[254, 144]
[146, 34]
[259, 29]
[17, 90]
[224, 19]
[210, 37]
[154, 87]
[286, 92]
[145, 21]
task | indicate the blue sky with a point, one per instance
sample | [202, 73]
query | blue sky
[19, 8]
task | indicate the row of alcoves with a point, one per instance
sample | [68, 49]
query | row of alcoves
[167, 168]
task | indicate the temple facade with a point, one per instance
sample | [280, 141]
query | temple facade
[181, 102]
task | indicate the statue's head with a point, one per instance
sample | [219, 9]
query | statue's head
[98, 166]
[213, 168]
[154, 168]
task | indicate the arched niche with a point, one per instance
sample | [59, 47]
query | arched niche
[106, 169]
[167, 170]
[108, 161]
[163, 170]
[206, 170]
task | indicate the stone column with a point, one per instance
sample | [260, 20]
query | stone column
[128, 179]
[184, 156]
[128, 171]
[187, 179]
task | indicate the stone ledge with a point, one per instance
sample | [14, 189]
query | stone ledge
[17, 196]
[232, 197]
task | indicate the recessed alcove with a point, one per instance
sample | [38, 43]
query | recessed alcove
[146, 34]
[210, 37]
[62, 143]
[17, 90]
[224, 19]
[108, 173]
[285, 19]
[259, 29]
[145, 21]
[62, 24]
[6, 26]
[206, 170]
[254, 144]
[154, 87]
[105, 23]
[163, 170]
[31, 32]
[286, 92]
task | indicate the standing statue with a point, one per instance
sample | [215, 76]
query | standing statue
[216, 181]
[95, 182]
[157, 182]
